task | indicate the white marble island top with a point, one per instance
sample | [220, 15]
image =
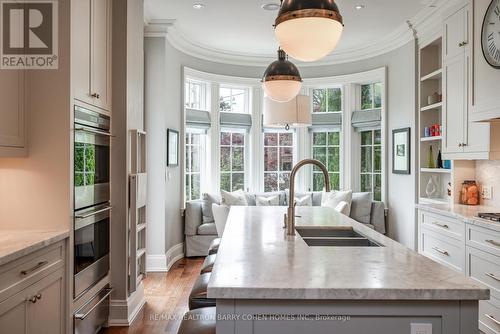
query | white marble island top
[17, 243]
[257, 260]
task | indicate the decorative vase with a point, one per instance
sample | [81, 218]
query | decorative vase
[431, 188]
[439, 163]
[430, 159]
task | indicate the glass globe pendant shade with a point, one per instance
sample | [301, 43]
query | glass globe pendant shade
[308, 30]
[282, 81]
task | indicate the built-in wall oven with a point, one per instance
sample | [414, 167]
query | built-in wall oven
[92, 206]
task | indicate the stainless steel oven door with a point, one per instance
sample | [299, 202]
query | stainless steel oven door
[92, 316]
[91, 247]
[91, 166]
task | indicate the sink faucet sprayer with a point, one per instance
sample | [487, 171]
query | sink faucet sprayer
[290, 216]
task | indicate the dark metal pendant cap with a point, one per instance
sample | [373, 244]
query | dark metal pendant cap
[294, 9]
[282, 69]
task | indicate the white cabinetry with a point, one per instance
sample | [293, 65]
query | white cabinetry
[13, 140]
[32, 293]
[91, 52]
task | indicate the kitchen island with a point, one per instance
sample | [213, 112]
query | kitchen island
[362, 282]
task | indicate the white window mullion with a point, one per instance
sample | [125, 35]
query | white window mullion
[213, 156]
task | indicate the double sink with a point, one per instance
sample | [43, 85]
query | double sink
[334, 237]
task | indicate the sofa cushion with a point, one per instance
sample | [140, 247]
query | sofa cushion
[267, 200]
[207, 229]
[237, 198]
[251, 197]
[206, 207]
[333, 198]
[361, 207]
[317, 195]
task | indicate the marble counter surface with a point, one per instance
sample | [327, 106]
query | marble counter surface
[257, 260]
[469, 214]
[17, 243]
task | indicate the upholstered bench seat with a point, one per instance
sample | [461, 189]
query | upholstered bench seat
[214, 246]
[208, 264]
[199, 321]
[198, 296]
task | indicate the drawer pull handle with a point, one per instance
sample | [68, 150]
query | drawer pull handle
[492, 318]
[35, 298]
[38, 266]
[493, 242]
[82, 316]
[441, 225]
[492, 276]
[441, 251]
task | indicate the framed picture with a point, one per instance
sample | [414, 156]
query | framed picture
[172, 148]
[401, 151]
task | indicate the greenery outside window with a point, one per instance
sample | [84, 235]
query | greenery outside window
[232, 160]
[371, 96]
[193, 165]
[326, 148]
[233, 99]
[371, 163]
[327, 100]
[278, 160]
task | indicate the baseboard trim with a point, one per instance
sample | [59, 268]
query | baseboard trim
[163, 262]
[124, 312]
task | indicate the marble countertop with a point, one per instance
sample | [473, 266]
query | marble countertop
[469, 214]
[17, 243]
[257, 260]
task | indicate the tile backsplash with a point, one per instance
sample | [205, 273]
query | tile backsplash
[488, 174]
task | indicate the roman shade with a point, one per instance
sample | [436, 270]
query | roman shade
[235, 120]
[327, 121]
[197, 119]
[366, 120]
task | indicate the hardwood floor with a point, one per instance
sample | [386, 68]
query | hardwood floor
[166, 300]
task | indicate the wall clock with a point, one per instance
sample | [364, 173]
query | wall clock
[490, 36]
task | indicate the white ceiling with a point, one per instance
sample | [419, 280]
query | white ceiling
[242, 27]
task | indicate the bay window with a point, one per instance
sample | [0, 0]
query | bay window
[371, 163]
[327, 100]
[232, 160]
[326, 148]
[233, 99]
[278, 160]
[195, 94]
[193, 165]
[371, 96]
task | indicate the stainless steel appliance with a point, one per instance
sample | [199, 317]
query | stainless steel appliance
[490, 216]
[91, 158]
[91, 317]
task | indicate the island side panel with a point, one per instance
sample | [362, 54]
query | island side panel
[346, 317]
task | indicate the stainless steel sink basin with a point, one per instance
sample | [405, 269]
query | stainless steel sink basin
[334, 237]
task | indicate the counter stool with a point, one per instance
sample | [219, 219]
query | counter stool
[198, 296]
[214, 246]
[208, 264]
[200, 321]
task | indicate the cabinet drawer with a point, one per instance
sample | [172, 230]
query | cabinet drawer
[484, 268]
[442, 249]
[22, 272]
[483, 239]
[489, 317]
[448, 226]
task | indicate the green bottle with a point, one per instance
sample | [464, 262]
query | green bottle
[430, 159]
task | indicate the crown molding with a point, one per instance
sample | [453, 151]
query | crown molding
[425, 23]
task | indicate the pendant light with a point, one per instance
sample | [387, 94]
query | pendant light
[282, 81]
[295, 113]
[308, 30]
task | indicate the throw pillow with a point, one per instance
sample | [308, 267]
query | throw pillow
[303, 201]
[236, 198]
[267, 200]
[361, 207]
[332, 199]
[220, 216]
[206, 207]
[342, 208]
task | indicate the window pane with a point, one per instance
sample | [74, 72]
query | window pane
[377, 159]
[286, 158]
[366, 182]
[195, 159]
[334, 99]
[377, 95]
[238, 181]
[335, 181]
[319, 138]
[225, 181]
[239, 139]
[319, 100]
[238, 101]
[377, 193]
[225, 138]
[270, 182]
[333, 138]
[366, 138]
[225, 159]
[319, 153]
[284, 181]
[333, 159]
[238, 159]
[366, 159]
[286, 139]
[366, 97]
[195, 139]
[270, 139]
[188, 187]
[270, 158]
[188, 138]
[378, 137]
[195, 187]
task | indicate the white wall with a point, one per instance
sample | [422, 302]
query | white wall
[401, 93]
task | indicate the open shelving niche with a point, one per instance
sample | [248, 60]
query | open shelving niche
[138, 210]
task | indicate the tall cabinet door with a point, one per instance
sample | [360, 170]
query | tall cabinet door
[101, 53]
[80, 54]
[454, 104]
[455, 33]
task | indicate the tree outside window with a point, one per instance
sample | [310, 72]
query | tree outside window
[371, 96]
[233, 100]
[326, 148]
[193, 166]
[278, 160]
[327, 100]
[371, 163]
[232, 161]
